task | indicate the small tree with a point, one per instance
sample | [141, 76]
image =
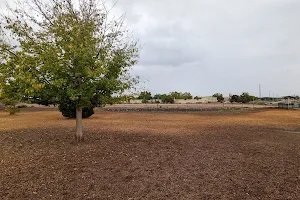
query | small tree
[9, 89]
[219, 96]
[234, 98]
[157, 96]
[10, 98]
[71, 47]
[187, 95]
[145, 96]
[167, 98]
[179, 95]
[10, 104]
[245, 97]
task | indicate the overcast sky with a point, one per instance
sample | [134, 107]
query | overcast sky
[209, 46]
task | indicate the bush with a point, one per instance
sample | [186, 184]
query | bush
[12, 110]
[219, 96]
[68, 109]
[168, 99]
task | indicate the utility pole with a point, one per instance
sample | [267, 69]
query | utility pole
[259, 88]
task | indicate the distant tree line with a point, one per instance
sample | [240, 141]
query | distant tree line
[146, 96]
[165, 98]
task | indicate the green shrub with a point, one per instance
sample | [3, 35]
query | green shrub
[12, 110]
[168, 99]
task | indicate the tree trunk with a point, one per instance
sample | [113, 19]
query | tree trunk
[79, 134]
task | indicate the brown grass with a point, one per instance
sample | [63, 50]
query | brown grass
[151, 156]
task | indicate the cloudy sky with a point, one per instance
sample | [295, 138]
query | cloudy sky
[208, 46]
[212, 46]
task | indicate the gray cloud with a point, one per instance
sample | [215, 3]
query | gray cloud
[211, 46]
[217, 46]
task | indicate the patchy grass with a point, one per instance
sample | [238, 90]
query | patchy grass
[151, 156]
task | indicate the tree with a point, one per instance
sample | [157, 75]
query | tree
[179, 95]
[245, 97]
[253, 98]
[9, 88]
[146, 96]
[234, 98]
[157, 96]
[73, 48]
[186, 95]
[68, 109]
[9, 98]
[167, 99]
[219, 96]
[176, 95]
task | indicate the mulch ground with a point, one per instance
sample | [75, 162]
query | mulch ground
[151, 156]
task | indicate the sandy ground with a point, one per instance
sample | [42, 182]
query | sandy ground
[216, 155]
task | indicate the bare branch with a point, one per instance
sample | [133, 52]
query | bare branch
[9, 51]
[41, 10]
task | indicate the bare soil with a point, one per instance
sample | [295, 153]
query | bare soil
[248, 155]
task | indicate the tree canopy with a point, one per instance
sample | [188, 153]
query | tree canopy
[243, 98]
[181, 95]
[146, 95]
[66, 49]
[219, 96]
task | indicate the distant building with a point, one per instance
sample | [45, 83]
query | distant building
[289, 102]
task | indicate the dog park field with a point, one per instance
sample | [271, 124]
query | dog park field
[247, 154]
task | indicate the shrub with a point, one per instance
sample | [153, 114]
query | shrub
[168, 99]
[219, 96]
[12, 110]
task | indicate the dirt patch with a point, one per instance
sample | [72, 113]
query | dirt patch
[151, 156]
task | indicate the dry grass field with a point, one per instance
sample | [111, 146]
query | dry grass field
[140, 155]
